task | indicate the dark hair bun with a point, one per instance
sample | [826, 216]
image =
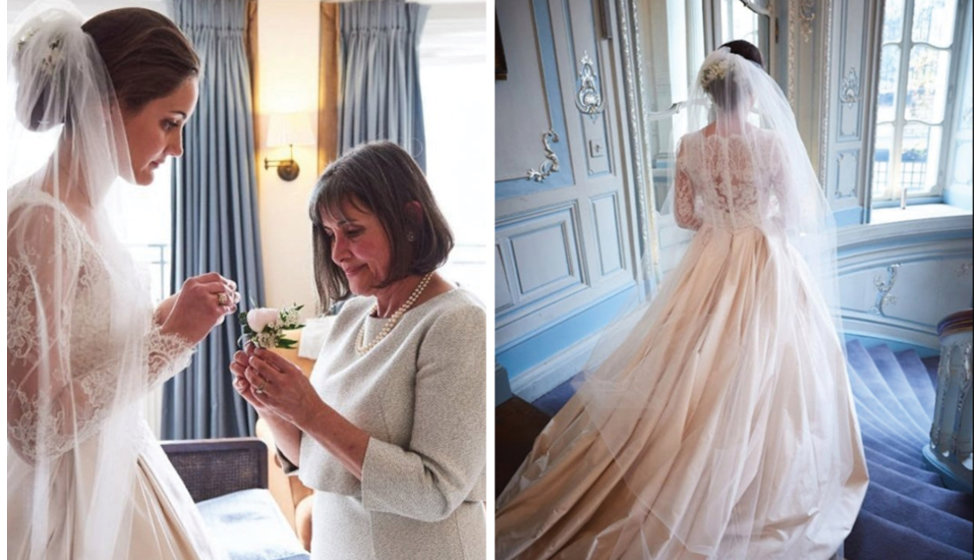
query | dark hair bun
[746, 50]
[38, 59]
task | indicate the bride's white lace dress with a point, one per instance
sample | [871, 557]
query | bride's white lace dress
[56, 420]
[722, 426]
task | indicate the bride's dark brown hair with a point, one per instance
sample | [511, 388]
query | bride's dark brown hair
[725, 93]
[145, 53]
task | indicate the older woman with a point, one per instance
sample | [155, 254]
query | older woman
[389, 430]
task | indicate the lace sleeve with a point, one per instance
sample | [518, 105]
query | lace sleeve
[64, 375]
[684, 210]
[167, 354]
[44, 407]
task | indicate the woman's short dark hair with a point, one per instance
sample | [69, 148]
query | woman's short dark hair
[383, 179]
[145, 53]
[725, 93]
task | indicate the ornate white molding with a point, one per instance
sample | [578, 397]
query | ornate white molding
[627, 15]
[550, 164]
[825, 94]
[808, 14]
[588, 100]
[884, 287]
[850, 88]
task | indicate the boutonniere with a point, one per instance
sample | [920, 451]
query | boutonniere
[264, 326]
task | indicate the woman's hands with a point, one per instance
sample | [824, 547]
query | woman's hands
[273, 384]
[283, 395]
[201, 304]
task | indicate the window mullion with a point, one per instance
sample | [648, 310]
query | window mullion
[901, 91]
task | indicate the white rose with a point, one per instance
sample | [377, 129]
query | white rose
[259, 319]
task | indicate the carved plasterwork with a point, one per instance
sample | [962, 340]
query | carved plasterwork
[550, 164]
[884, 288]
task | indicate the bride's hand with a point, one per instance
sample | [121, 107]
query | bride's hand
[201, 304]
[162, 312]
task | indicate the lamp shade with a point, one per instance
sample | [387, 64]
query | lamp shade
[290, 128]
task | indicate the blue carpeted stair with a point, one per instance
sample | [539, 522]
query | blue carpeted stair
[907, 512]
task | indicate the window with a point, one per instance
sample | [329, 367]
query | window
[139, 214]
[745, 20]
[455, 81]
[925, 52]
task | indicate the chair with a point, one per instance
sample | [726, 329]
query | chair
[227, 479]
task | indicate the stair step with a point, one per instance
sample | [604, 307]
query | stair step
[882, 424]
[923, 384]
[919, 517]
[907, 512]
[898, 384]
[917, 471]
[889, 408]
[877, 538]
[932, 368]
[935, 497]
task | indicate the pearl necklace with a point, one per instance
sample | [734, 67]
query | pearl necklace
[363, 348]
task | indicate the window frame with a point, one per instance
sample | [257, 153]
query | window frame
[953, 100]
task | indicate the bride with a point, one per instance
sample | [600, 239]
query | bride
[720, 423]
[85, 476]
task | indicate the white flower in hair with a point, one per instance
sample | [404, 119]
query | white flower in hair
[51, 60]
[716, 67]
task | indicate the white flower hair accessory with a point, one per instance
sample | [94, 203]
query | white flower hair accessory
[716, 67]
[51, 58]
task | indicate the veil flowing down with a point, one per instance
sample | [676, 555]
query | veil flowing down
[85, 476]
[717, 421]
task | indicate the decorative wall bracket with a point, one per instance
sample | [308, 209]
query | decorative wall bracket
[588, 100]
[808, 13]
[884, 287]
[550, 164]
[850, 89]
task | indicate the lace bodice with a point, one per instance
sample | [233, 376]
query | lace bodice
[728, 182]
[65, 345]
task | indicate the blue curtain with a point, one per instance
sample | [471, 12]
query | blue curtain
[215, 216]
[380, 95]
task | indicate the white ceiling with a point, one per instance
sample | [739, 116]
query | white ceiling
[453, 28]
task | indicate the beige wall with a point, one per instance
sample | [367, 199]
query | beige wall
[288, 38]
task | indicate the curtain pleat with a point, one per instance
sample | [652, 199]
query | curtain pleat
[329, 84]
[215, 216]
[380, 92]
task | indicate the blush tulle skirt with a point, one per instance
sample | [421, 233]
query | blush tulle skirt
[718, 423]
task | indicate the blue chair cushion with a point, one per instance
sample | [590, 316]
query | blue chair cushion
[248, 525]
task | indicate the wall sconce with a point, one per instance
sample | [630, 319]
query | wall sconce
[288, 128]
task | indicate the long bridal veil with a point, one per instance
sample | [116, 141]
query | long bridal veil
[74, 407]
[715, 421]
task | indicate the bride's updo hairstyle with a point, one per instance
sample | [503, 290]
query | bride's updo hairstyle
[726, 89]
[145, 54]
[379, 178]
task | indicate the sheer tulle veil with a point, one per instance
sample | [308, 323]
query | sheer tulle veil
[732, 96]
[799, 212]
[69, 506]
